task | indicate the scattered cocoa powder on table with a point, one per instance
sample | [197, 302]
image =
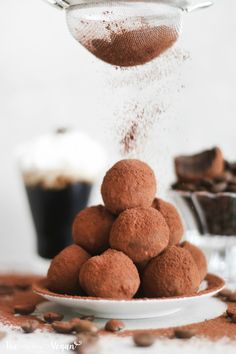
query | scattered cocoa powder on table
[214, 329]
[20, 296]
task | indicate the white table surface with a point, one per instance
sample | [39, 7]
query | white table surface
[38, 342]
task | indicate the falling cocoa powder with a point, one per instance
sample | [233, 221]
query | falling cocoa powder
[142, 97]
[128, 141]
[133, 47]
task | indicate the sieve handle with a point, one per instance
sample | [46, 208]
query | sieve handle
[188, 5]
[195, 5]
[60, 4]
[192, 5]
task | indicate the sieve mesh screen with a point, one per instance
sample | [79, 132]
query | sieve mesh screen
[125, 33]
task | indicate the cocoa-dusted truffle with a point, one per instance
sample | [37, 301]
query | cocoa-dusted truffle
[206, 164]
[63, 273]
[110, 275]
[128, 184]
[141, 233]
[172, 273]
[198, 257]
[172, 218]
[91, 229]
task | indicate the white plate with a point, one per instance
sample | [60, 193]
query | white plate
[134, 308]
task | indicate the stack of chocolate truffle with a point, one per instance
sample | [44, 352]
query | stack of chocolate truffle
[129, 247]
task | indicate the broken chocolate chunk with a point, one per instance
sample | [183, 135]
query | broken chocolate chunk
[207, 164]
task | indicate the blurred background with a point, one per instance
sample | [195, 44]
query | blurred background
[47, 81]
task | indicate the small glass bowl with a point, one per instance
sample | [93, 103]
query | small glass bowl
[210, 222]
[210, 213]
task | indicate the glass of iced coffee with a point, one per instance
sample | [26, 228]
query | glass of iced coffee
[59, 171]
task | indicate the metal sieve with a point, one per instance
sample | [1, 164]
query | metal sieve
[129, 32]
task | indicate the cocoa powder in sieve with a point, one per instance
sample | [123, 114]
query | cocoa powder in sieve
[133, 47]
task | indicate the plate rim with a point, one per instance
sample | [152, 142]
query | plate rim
[42, 290]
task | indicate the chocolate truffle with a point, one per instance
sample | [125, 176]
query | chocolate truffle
[141, 233]
[128, 184]
[63, 273]
[172, 218]
[110, 275]
[198, 257]
[206, 164]
[91, 229]
[172, 273]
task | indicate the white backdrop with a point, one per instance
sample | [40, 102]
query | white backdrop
[48, 80]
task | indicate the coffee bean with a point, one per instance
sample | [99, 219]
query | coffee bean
[224, 177]
[224, 293]
[6, 289]
[50, 317]
[233, 319]
[232, 166]
[25, 309]
[64, 327]
[226, 165]
[84, 326]
[2, 335]
[219, 187]
[86, 343]
[232, 297]
[29, 326]
[143, 339]
[231, 188]
[23, 286]
[61, 130]
[85, 338]
[202, 189]
[233, 180]
[89, 318]
[206, 183]
[184, 333]
[175, 185]
[75, 320]
[190, 187]
[231, 313]
[114, 326]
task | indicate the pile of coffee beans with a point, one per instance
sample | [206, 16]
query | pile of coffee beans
[215, 199]
[225, 182]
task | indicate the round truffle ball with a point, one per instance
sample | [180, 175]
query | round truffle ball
[91, 229]
[141, 233]
[172, 218]
[173, 273]
[198, 257]
[63, 273]
[128, 184]
[110, 275]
